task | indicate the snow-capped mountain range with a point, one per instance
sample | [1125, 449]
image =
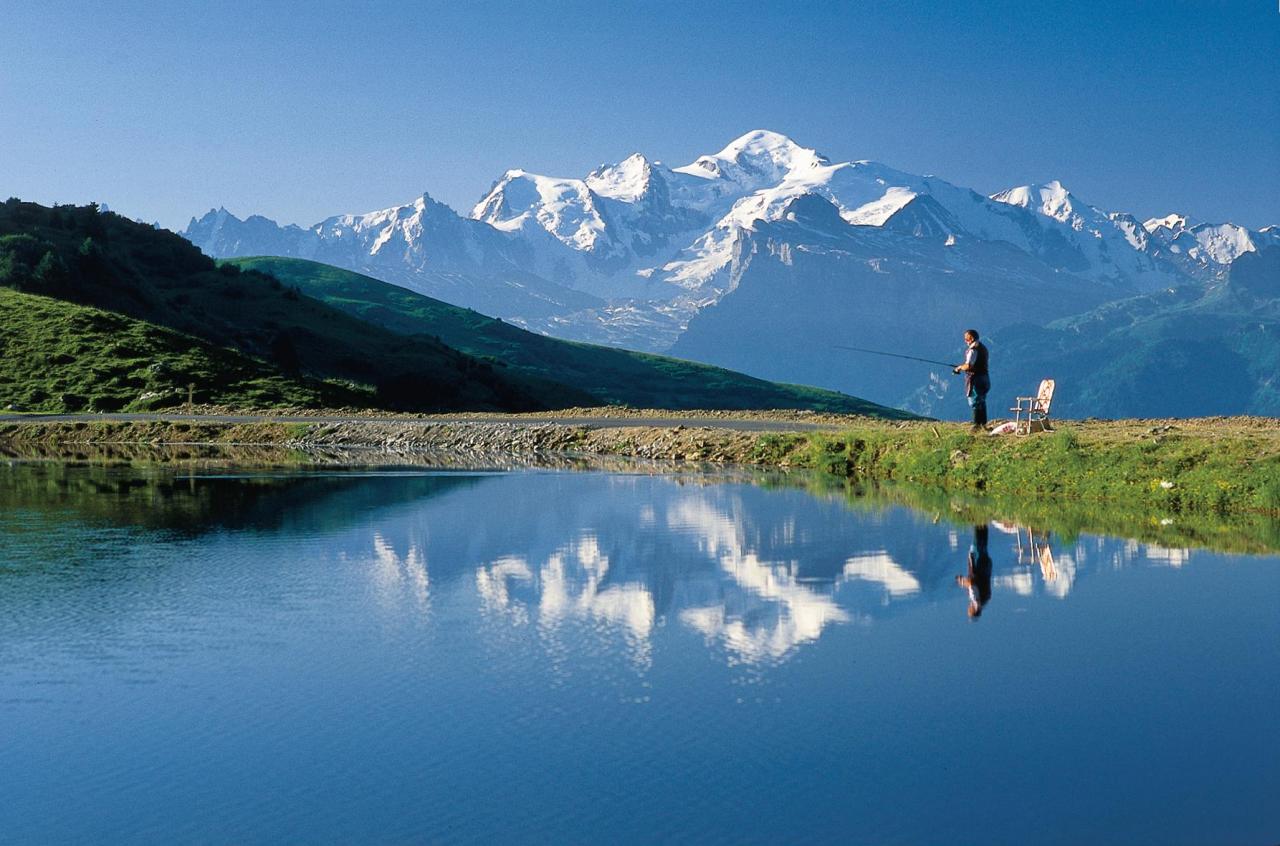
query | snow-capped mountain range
[1209, 245]
[638, 254]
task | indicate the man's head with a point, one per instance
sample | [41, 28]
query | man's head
[970, 335]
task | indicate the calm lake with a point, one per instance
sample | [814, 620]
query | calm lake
[611, 657]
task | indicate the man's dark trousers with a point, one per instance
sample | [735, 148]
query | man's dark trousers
[979, 386]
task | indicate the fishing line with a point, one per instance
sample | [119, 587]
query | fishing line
[895, 355]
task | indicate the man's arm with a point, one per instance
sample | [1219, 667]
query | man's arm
[969, 356]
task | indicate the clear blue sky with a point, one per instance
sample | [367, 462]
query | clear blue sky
[302, 110]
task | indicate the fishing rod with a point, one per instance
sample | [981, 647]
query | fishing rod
[895, 355]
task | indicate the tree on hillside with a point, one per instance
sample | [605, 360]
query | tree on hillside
[51, 271]
[20, 256]
[89, 259]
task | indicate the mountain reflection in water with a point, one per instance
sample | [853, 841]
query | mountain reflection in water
[564, 657]
[756, 572]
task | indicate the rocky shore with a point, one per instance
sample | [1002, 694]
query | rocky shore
[679, 443]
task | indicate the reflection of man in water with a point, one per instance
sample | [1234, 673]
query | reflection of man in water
[978, 579]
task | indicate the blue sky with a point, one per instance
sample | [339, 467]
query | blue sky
[299, 111]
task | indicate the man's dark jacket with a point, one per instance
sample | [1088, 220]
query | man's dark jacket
[979, 368]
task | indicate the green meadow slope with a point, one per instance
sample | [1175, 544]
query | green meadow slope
[87, 257]
[615, 376]
[59, 356]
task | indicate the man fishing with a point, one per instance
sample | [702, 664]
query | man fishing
[976, 381]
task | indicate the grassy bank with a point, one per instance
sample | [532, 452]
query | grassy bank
[1238, 532]
[1205, 465]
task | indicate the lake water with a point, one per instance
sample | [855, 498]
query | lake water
[611, 657]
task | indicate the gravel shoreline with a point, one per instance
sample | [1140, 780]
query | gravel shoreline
[522, 437]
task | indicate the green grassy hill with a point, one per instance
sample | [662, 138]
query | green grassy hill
[88, 257]
[1184, 352]
[616, 376]
[59, 356]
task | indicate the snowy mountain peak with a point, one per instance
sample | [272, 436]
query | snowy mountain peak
[626, 181]
[764, 144]
[1051, 199]
[756, 159]
[1171, 223]
[425, 200]
[1207, 245]
[566, 208]
[1220, 243]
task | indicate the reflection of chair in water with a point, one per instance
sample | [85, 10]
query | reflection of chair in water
[1035, 409]
[1037, 551]
[1047, 567]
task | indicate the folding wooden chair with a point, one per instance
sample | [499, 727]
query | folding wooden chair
[1031, 414]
